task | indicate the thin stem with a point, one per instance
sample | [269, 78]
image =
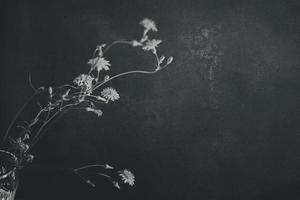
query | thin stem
[126, 73]
[89, 166]
[36, 119]
[84, 179]
[39, 134]
[30, 82]
[105, 175]
[114, 43]
[66, 85]
[16, 117]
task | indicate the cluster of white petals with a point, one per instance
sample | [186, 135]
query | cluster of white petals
[148, 24]
[99, 63]
[84, 80]
[110, 94]
[127, 177]
[151, 45]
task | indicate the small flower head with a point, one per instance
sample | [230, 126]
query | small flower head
[99, 64]
[110, 94]
[151, 45]
[84, 81]
[148, 24]
[127, 176]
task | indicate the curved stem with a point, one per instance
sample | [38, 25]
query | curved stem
[114, 43]
[16, 117]
[89, 166]
[126, 73]
[84, 179]
[39, 133]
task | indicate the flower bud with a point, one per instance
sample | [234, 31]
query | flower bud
[170, 59]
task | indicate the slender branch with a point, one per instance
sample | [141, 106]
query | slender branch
[76, 171]
[114, 43]
[84, 179]
[16, 117]
[36, 119]
[66, 85]
[126, 73]
[30, 82]
[39, 132]
[89, 166]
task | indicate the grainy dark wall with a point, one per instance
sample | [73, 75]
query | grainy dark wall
[220, 123]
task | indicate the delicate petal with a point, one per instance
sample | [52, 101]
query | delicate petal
[127, 176]
[110, 94]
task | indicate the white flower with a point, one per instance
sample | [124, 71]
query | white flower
[127, 176]
[98, 112]
[84, 81]
[148, 24]
[99, 64]
[151, 45]
[110, 94]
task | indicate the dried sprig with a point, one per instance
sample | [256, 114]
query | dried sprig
[88, 92]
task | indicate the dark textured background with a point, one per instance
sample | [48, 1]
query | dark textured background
[220, 123]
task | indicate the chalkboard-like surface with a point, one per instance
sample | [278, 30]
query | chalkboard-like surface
[220, 123]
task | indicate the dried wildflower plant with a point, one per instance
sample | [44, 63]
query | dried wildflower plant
[89, 92]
